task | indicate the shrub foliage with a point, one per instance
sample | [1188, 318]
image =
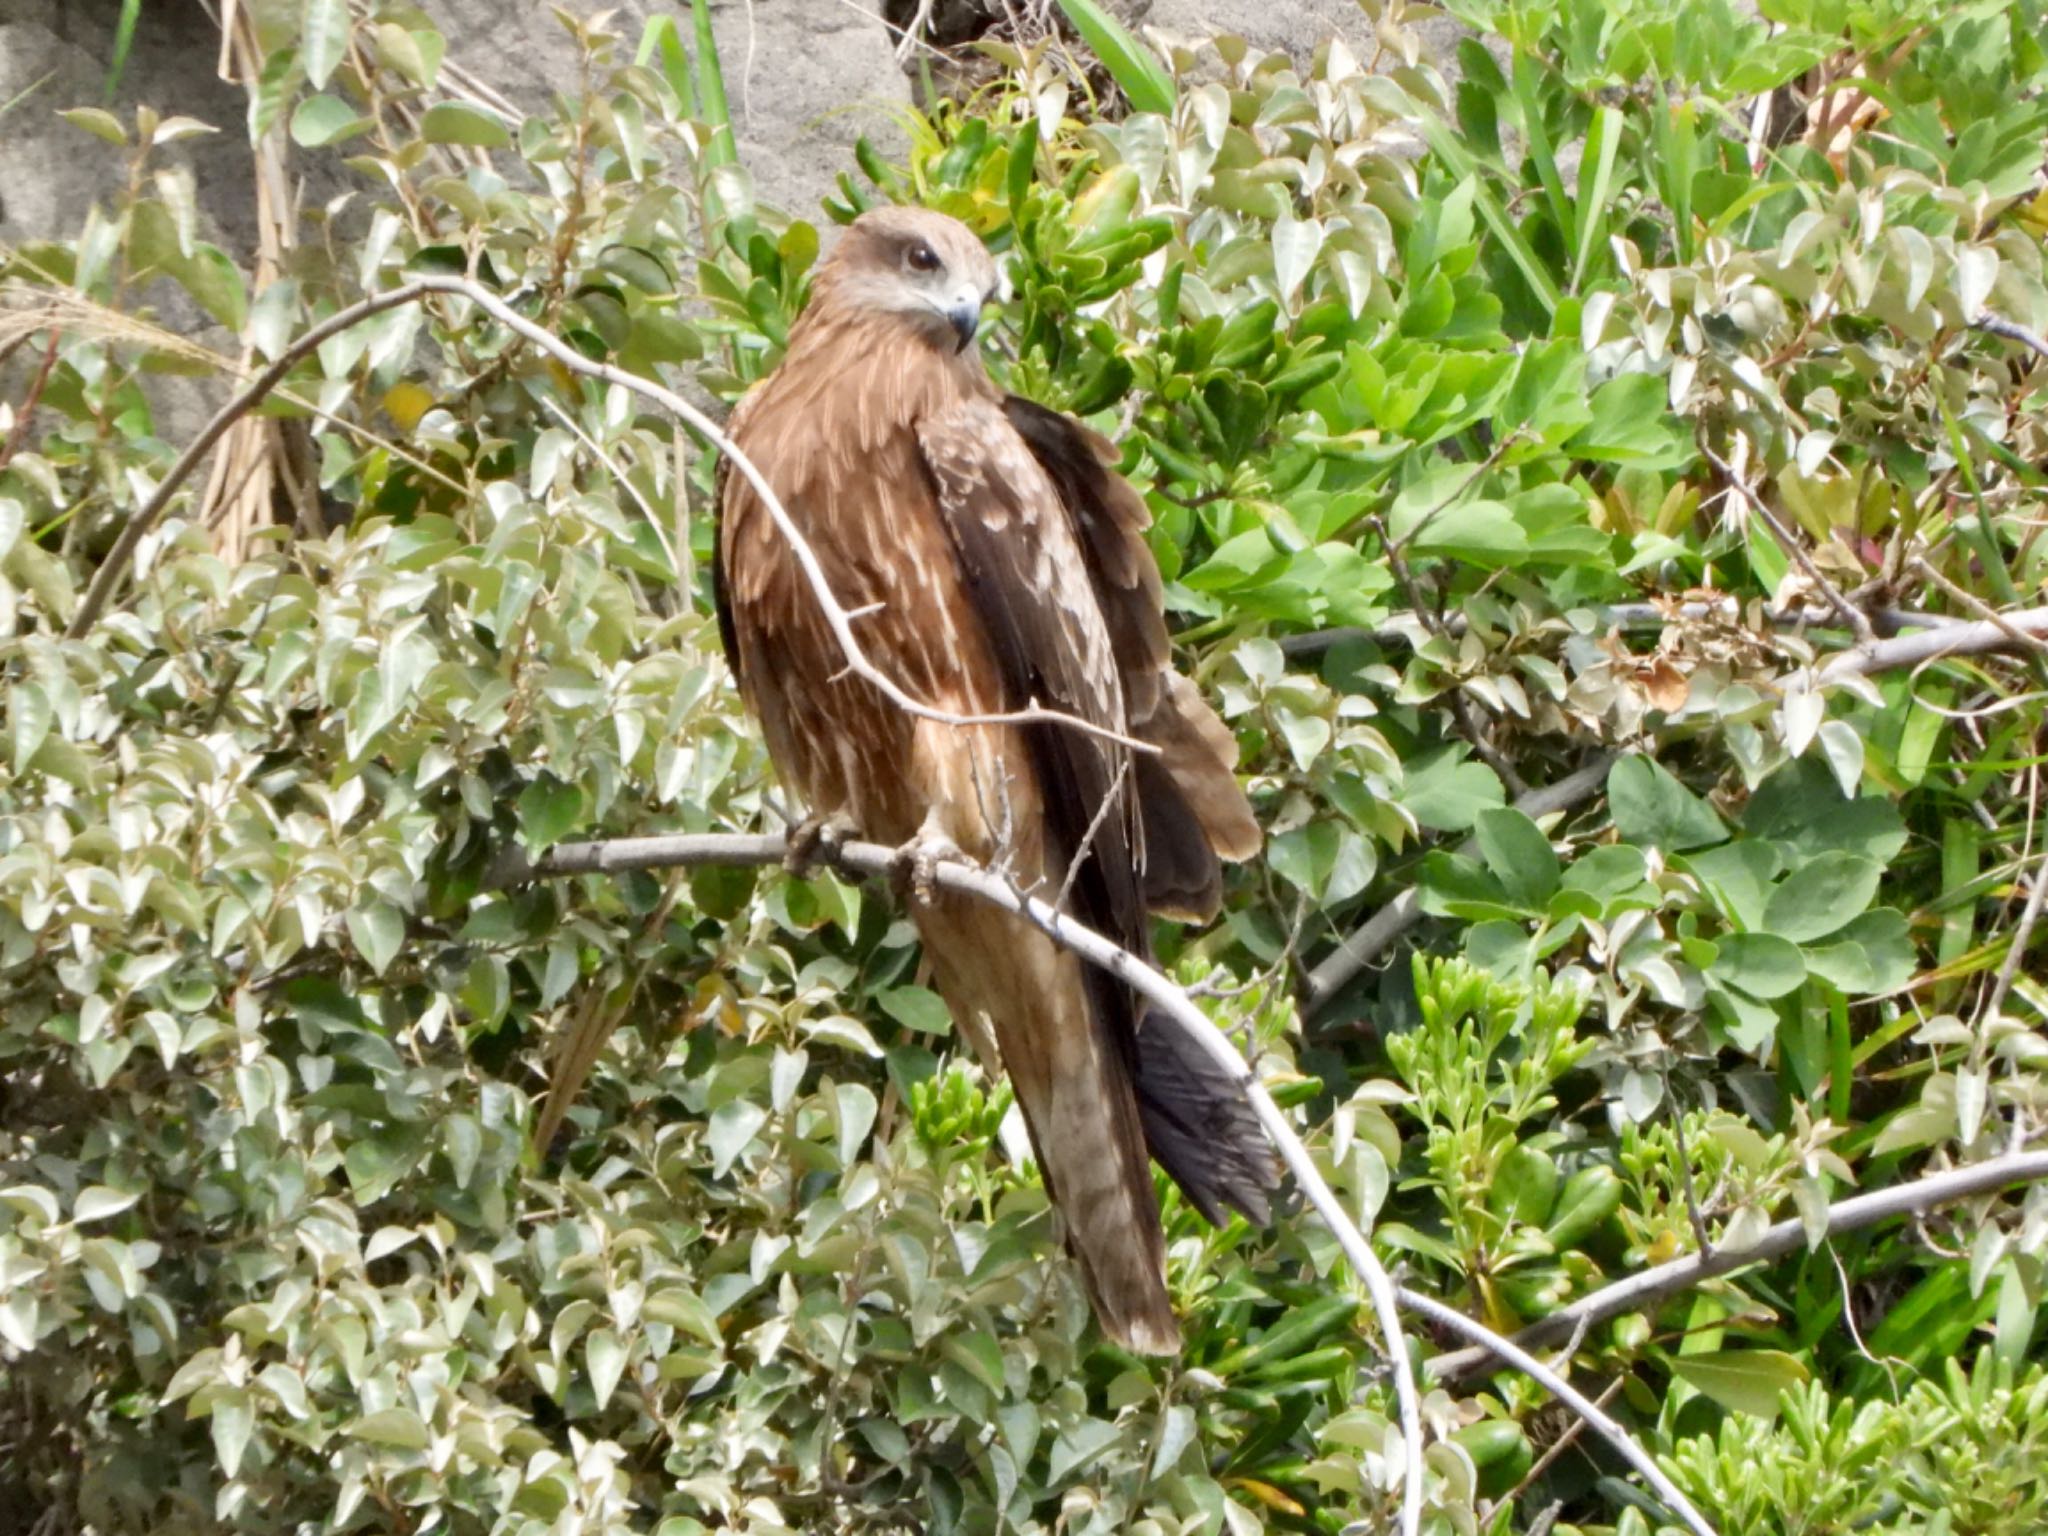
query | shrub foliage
[1563, 424]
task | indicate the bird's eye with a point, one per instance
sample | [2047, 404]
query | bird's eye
[921, 258]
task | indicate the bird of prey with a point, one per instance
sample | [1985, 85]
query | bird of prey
[995, 559]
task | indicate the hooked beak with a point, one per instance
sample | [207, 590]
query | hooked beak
[964, 315]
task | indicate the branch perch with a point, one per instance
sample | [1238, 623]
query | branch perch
[640, 853]
[1651, 1286]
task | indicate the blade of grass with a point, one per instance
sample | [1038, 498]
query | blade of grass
[1528, 100]
[1456, 159]
[661, 35]
[712, 107]
[1603, 143]
[124, 39]
[1130, 63]
[1982, 537]
[1677, 149]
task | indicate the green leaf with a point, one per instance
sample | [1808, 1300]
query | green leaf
[323, 120]
[400, 1428]
[1080, 1444]
[1821, 896]
[1519, 855]
[1762, 965]
[1745, 1380]
[96, 1202]
[685, 1310]
[1524, 1187]
[1802, 806]
[605, 1358]
[100, 124]
[732, 1127]
[1630, 425]
[457, 122]
[377, 930]
[31, 717]
[1608, 873]
[212, 278]
[1129, 62]
[917, 1008]
[1653, 809]
[323, 39]
[1446, 793]
[711, 101]
[1483, 533]
[1872, 955]
[234, 1418]
[549, 810]
[1738, 877]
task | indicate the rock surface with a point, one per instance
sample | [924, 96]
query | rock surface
[805, 79]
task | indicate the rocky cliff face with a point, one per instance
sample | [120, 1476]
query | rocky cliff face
[806, 78]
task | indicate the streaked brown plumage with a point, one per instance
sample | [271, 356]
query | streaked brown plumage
[1006, 561]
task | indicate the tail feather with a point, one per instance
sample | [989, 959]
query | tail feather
[1079, 1104]
[1200, 1128]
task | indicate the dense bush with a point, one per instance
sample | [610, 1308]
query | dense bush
[1548, 428]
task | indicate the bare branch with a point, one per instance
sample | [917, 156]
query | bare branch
[115, 566]
[1335, 970]
[1998, 325]
[1174, 1004]
[1651, 1286]
[1634, 616]
[1973, 638]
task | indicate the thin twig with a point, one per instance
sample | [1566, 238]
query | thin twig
[1335, 970]
[1983, 610]
[115, 565]
[1469, 725]
[622, 854]
[2022, 936]
[1698, 1217]
[1998, 325]
[1857, 621]
[1110, 800]
[1649, 1287]
[1558, 1447]
[32, 399]
[1624, 616]
[836, 616]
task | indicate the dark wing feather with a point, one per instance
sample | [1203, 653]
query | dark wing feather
[728, 631]
[1155, 849]
[1191, 807]
[721, 599]
[1032, 594]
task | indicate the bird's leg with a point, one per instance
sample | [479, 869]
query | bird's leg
[915, 868]
[813, 836]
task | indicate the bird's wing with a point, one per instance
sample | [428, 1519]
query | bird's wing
[1029, 583]
[1050, 545]
[1191, 807]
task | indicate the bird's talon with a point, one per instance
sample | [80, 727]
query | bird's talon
[916, 866]
[813, 839]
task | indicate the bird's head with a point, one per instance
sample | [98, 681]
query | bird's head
[923, 268]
